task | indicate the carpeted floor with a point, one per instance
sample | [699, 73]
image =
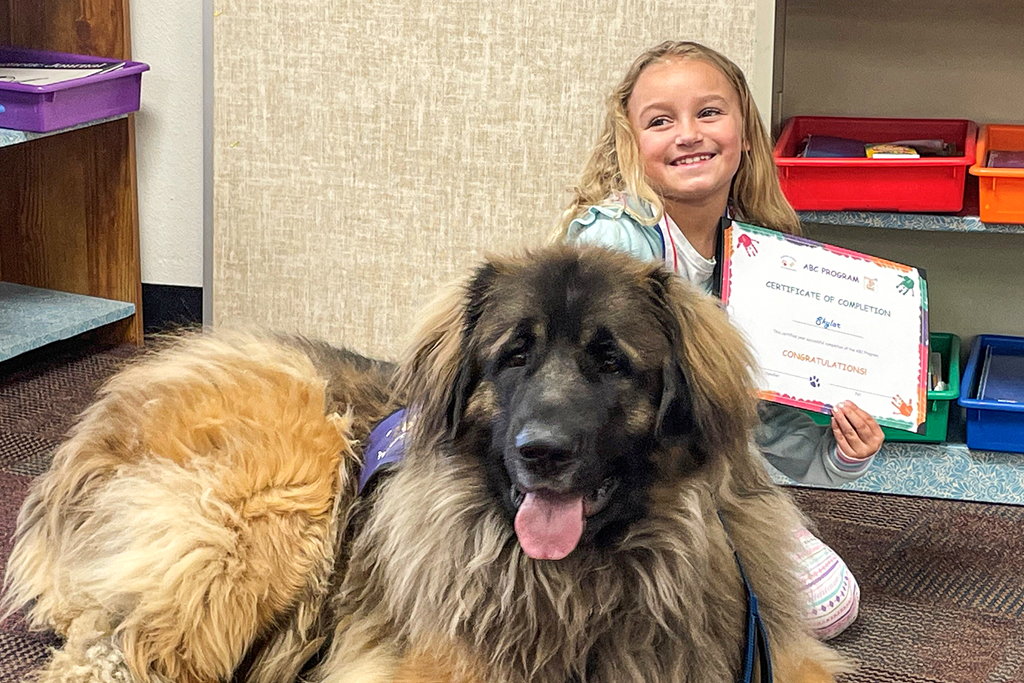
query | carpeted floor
[40, 395]
[942, 581]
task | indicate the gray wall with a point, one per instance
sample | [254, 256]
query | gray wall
[928, 59]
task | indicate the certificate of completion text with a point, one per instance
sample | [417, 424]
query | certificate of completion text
[827, 324]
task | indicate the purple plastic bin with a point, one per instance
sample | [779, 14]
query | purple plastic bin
[43, 108]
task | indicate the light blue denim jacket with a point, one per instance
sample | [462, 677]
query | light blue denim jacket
[787, 437]
[620, 224]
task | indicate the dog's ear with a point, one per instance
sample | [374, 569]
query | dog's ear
[440, 371]
[708, 385]
[675, 418]
[675, 413]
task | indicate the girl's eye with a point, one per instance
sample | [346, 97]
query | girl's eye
[709, 111]
[658, 121]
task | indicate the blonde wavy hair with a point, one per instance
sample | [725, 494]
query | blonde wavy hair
[615, 165]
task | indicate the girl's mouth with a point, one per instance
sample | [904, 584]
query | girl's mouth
[690, 159]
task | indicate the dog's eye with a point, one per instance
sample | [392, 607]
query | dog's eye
[516, 360]
[607, 357]
[611, 365]
[517, 354]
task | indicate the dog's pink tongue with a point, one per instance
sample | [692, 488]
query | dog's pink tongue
[549, 526]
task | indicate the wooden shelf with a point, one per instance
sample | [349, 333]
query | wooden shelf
[69, 220]
[31, 317]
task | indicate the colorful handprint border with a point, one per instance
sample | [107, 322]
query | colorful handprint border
[919, 410]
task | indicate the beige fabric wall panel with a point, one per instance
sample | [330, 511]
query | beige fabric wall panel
[367, 152]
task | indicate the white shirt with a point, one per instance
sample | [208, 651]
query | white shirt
[681, 257]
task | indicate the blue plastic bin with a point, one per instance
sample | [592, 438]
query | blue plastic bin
[995, 425]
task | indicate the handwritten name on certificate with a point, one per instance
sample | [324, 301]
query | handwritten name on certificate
[827, 324]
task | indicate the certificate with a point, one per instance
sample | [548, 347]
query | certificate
[827, 324]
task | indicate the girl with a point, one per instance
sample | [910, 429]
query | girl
[683, 145]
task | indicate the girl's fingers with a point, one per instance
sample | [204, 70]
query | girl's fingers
[841, 441]
[851, 450]
[861, 432]
[844, 426]
[869, 430]
[856, 417]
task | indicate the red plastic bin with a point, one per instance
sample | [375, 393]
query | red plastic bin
[929, 184]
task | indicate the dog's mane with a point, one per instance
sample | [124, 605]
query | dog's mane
[652, 606]
[438, 560]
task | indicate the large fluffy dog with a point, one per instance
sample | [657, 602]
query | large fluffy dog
[577, 475]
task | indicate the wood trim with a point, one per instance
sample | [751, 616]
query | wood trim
[5, 22]
[91, 27]
[69, 203]
[69, 208]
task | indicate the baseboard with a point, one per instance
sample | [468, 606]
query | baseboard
[167, 307]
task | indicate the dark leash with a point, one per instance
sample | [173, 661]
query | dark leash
[756, 650]
[757, 637]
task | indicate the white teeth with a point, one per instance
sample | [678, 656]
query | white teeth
[517, 496]
[692, 160]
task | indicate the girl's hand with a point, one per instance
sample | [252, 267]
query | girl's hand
[857, 434]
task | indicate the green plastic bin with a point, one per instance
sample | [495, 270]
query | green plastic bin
[937, 421]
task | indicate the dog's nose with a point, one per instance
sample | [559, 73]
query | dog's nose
[539, 444]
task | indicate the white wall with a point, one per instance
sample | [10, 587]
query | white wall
[169, 128]
[760, 76]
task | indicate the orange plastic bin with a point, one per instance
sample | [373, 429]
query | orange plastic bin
[1000, 190]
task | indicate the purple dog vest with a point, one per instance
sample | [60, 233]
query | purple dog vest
[385, 446]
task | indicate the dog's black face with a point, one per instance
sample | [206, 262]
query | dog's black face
[571, 392]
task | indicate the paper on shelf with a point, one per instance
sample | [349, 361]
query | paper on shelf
[49, 74]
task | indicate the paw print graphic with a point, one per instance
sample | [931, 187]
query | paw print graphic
[815, 382]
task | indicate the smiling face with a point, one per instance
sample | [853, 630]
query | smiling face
[688, 123]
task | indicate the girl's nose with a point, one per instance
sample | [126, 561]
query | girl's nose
[687, 133]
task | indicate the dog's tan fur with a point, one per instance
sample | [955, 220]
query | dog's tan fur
[201, 520]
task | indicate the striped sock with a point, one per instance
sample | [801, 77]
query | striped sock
[833, 596]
